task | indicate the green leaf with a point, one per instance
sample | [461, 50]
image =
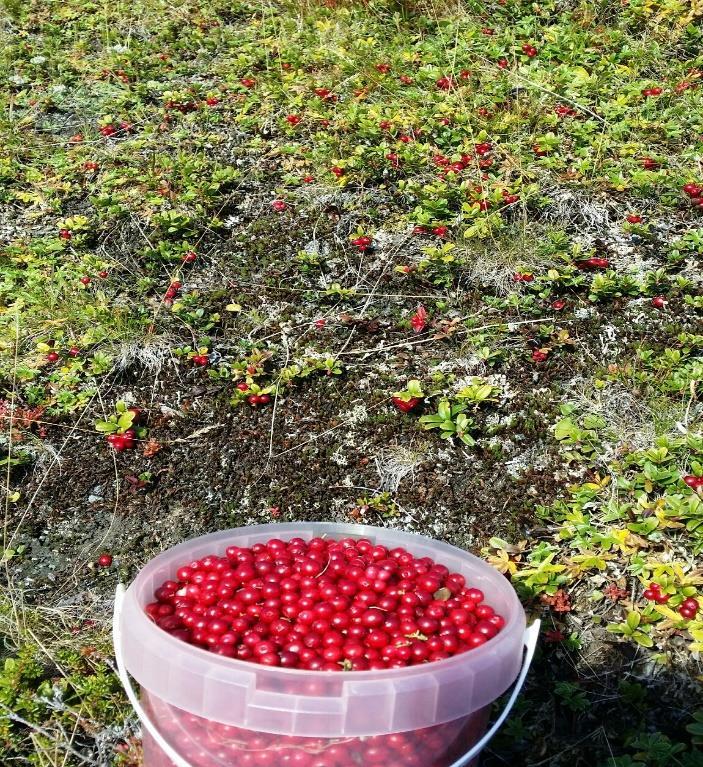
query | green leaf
[105, 427]
[643, 639]
[565, 429]
[633, 620]
[125, 421]
[444, 411]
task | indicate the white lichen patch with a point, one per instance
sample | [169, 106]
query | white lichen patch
[395, 463]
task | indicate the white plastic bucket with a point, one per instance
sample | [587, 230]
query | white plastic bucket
[199, 709]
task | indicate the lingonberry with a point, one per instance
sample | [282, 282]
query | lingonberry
[52, 357]
[691, 480]
[689, 608]
[405, 406]
[105, 560]
[658, 302]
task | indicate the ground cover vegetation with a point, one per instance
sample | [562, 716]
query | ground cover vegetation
[430, 267]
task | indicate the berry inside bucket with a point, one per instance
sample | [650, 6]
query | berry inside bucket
[203, 743]
[324, 605]
[209, 708]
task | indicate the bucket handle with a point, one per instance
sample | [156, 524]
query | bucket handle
[529, 643]
[162, 743]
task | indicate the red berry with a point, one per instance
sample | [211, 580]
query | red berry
[189, 257]
[593, 263]
[105, 560]
[118, 442]
[243, 386]
[693, 482]
[692, 190]
[279, 206]
[539, 355]
[658, 302]
[52, 357]
[293, 119]
[74, 351]
[558, 305]
[103, 274]
[634, 219]
[405, 406]
[362, 243]
[65, 234]
[85, 280]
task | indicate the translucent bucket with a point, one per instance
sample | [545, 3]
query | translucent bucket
[199, 709]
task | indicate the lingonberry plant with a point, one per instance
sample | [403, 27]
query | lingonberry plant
[123, 427]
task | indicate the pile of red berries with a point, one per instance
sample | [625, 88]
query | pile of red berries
[324, 605]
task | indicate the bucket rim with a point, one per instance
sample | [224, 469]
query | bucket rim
[515, 623]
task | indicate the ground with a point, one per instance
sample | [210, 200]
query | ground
[457, 251]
